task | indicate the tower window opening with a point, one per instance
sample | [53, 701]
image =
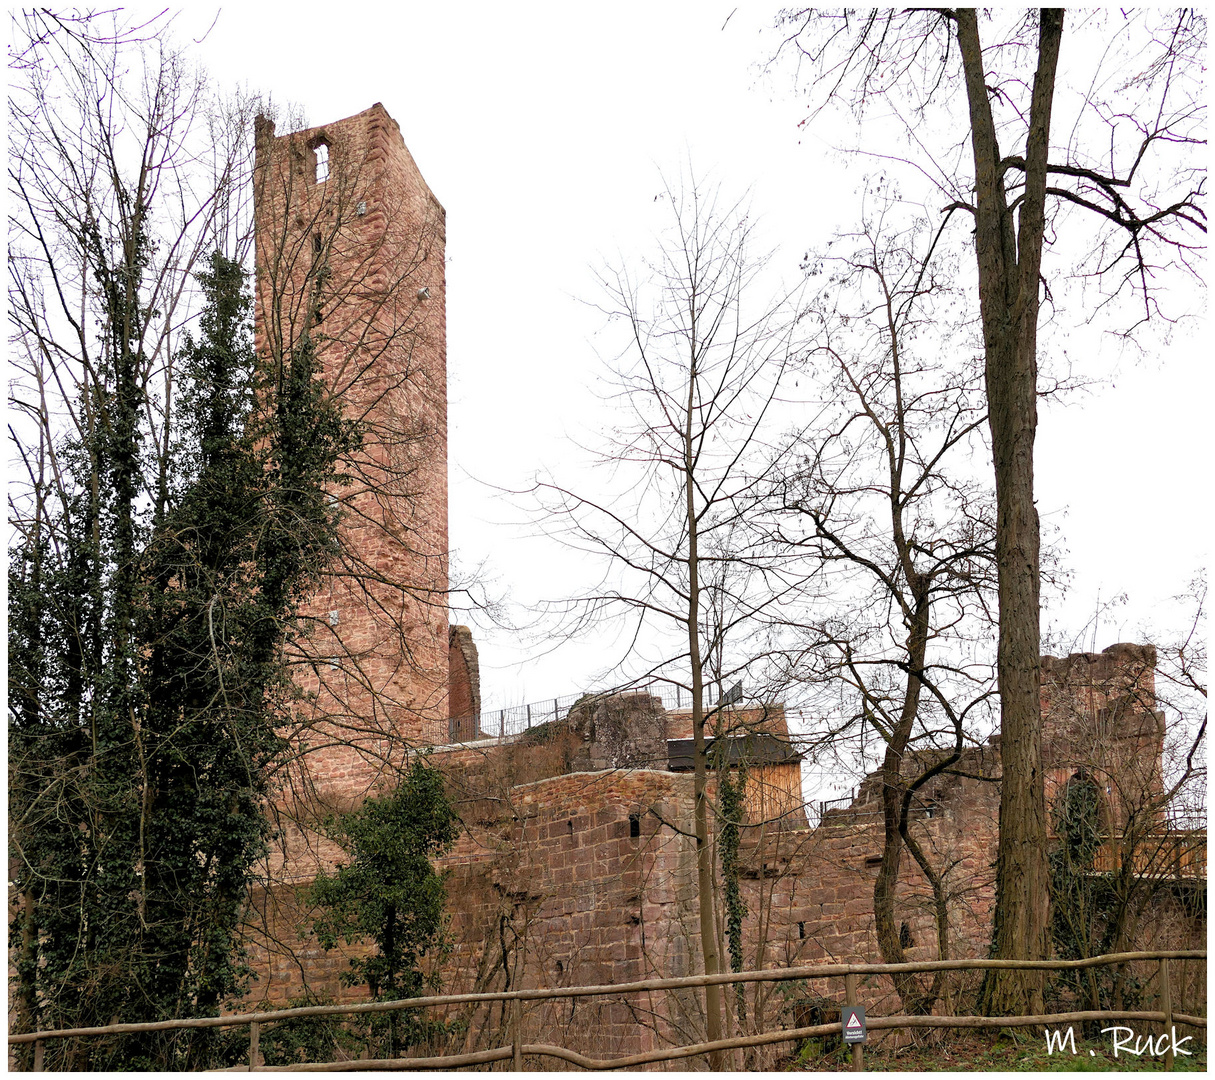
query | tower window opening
[634, 824]
[322, 162]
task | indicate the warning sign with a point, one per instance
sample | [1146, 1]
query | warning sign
[853, 1020]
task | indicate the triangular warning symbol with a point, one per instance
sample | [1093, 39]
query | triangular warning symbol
[854, 1021]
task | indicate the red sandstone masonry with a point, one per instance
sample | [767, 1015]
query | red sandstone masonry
[344, 259]
[548, 885]
[376, 663]
[464, 685]
[809, 892]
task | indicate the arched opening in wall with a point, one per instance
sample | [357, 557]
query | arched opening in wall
[1080, 820]
[320, 152]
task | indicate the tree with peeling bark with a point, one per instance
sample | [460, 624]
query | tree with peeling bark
[699, 376]
[1127, 163]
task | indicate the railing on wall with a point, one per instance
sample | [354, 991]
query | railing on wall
[516, 719]
[1188, 855]
[1169, 1014]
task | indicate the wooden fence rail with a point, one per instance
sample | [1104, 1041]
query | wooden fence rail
[517, 1050]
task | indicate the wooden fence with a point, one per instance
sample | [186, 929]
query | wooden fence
[516, 1051]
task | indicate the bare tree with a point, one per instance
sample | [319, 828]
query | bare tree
[876, 492]
[699, 377]
[1125, 162]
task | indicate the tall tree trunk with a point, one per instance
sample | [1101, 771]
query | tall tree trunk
[1009, 259]
[893, 786]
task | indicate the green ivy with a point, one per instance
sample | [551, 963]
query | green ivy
[148, 618]
[1082, 900]
[730, 799]
[390, 893]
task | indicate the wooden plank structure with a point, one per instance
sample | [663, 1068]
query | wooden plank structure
[1164, 854]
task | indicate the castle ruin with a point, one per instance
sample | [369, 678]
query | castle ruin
[577, 859]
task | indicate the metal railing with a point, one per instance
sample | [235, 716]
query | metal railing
[516, 1050]
[516, 719]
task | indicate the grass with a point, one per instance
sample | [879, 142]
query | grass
[1005, 1052]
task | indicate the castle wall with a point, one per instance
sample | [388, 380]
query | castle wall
[577, 861]
[808, 891]
[563, 893]
[570, 875]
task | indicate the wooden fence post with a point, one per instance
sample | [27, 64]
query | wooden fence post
[1166, 1004]
[39, 1050]
[858, 1051]
[255, 1035]
[516, 1034]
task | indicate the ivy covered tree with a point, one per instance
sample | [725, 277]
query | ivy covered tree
[390, 893]
[172, 514]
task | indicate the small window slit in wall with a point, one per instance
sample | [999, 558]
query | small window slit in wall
[801, 929]
[322, 162]
[634, 824]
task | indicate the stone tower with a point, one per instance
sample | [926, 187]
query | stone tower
[350, 254]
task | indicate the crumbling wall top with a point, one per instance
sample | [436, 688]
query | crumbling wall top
[1123, 656]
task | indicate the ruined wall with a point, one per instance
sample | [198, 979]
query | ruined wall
[463, 685]
[808, 891]
[1099, 720]
[565, 875]
[624, 731]
[586, 878]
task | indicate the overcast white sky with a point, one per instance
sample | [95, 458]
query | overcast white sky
[543, 129]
